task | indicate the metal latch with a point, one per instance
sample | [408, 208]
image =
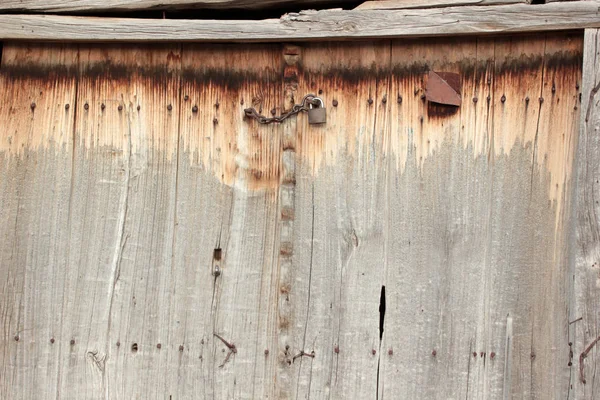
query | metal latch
[443, 88]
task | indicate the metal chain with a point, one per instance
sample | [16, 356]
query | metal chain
[309, 99]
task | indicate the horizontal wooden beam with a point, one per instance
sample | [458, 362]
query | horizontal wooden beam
[404, 4]
[58, 6]
[310, 25]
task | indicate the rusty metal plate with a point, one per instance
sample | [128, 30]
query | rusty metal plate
[443, 88]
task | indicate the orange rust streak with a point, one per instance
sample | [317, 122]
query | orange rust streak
[221, 81]
[36, 82]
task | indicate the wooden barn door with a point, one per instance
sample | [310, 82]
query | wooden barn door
[157, 244]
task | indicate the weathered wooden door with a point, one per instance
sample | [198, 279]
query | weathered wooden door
[403, 250]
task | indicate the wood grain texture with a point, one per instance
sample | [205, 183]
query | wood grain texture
[36, 173]
[310, 25]
[141, 233]
[406, 4]
[54, 6]
[336, 276]
[227, 200]
[585, 249]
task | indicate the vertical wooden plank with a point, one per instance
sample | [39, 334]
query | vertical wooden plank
[337, 243]
[528, 276]
[436, 213]
[227, 222]
[477, 222]
[36, 155]
[508, 284]
[117, 276]
[585, 240]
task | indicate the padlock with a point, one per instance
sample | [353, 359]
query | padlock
[317, 115]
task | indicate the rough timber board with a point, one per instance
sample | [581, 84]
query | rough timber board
[310, 25]
[36, 156]
[458, 215]
[51, 6]
[585, 251]
[227, 200]
[404, 4]
[335, 276]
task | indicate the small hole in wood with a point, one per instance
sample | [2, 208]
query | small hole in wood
[134, 347]
[217, 254]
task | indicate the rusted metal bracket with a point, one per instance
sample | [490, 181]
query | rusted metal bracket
[443, 88]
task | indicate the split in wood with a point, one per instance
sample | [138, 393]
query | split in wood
[230, 346]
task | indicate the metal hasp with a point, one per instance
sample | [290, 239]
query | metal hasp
[443, 88]
[317, 115]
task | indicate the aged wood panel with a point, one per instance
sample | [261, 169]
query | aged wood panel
[118, 284]
[140, 233]
[227, 221]
[112, 5]
[404, 4]
[335, 282]
[585, 249]
[433, 260]
[36, 157]
[131, 5]
[311, 25]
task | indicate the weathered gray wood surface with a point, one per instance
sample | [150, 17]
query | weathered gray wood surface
[403, 4]
[125, 5]
[585, 311]
[311, 25]
[129, 5]
[114, 222]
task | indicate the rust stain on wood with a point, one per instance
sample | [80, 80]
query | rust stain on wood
[242, 153]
